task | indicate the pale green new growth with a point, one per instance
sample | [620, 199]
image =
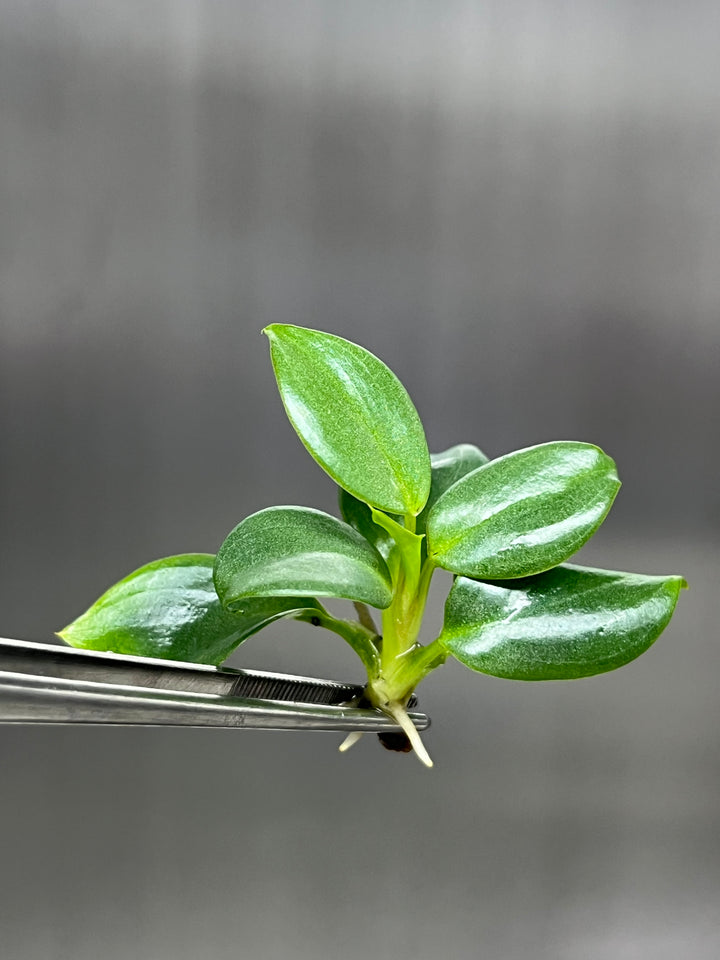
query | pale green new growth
[505, 527]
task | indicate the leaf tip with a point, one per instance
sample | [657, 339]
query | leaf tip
[273, 330]
[674, 583]
[678, 583]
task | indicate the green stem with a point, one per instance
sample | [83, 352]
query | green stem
[412, 667]
[401, 663]
[360, 638]
[401, 620]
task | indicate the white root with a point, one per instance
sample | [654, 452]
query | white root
[398, 712]
[350, 740]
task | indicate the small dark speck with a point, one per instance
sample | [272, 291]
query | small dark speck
[315, 621]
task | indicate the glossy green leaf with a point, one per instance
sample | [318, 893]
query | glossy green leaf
[566, 623]
[298, 551]
[446, 469]
[522, 513]
[169, 609]
[354, 416]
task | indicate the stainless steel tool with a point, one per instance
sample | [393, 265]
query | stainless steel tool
[44, 683]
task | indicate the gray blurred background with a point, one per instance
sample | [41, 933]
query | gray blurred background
[516, 204]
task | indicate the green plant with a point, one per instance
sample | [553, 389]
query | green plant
[503, 527]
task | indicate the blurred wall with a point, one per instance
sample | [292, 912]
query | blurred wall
[517, 205]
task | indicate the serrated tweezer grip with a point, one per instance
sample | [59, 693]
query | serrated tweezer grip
[43, 683]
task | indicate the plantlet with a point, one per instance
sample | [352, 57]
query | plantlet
[503, 527]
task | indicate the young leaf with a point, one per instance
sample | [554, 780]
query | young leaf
[522, 513]
[354, 416]
[298, 551]
[169, 609]
[566, 623]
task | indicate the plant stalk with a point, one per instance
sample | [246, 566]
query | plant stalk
[360, 638]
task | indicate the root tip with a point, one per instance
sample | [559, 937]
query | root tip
[350, 740]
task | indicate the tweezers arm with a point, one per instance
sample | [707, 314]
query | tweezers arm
[42, 683]
[27, 699]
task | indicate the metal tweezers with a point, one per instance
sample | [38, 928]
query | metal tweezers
[43, 683]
